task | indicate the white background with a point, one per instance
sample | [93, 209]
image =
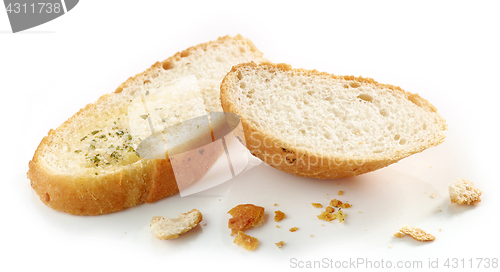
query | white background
[447, 52]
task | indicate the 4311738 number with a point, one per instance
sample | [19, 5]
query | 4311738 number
[34, 8]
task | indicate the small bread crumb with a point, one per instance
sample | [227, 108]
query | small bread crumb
[433, 196]
[294, 229]
[463, 191]
[345, 206]
[335, 203]
[399, 235]
[311, 235]
[246, 241]
[340, 215]
[341, 193]
[165, 228]
[245, 216]
[278, 226]
[280, 244]
[275, 204]
[329, 209]
[317, 205]
[390, 246]
[278, 216]
[327, 216]
[417, 233]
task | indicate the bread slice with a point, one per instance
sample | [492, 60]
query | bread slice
[165, 228]
[325, 126]
[89, 165]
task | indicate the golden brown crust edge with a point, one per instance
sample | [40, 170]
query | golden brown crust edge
[143, 181]
[286, 157]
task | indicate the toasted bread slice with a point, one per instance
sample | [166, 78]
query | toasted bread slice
[325, 126]
[89, 165]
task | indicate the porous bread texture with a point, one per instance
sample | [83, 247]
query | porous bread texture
[462, 191]
[165, 228]
[74, 168]
[325, 126]
[416, 233]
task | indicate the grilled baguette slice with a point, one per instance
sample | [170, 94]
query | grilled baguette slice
[325, 126]
[89, 164]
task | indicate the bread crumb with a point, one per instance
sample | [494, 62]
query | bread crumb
[341, 193]
[294, 229]
[165, 228]
[278, 226]
[390, 246]
[317, 205]
[275, 204]
[278, 216]
[280, 244]
[345, 206]
[417, 233]
[340, 215]
[399, 235]
[439, 229]
[246, 241]
[327, 216]
[433, 196]
[311, 235]
[462, 191]
[245, 216]
[205, 224]
[335, 203]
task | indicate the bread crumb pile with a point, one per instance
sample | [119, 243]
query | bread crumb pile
[245, 216]
[329, 214]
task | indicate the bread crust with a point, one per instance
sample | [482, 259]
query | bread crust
[285, 156]
[142, 181]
